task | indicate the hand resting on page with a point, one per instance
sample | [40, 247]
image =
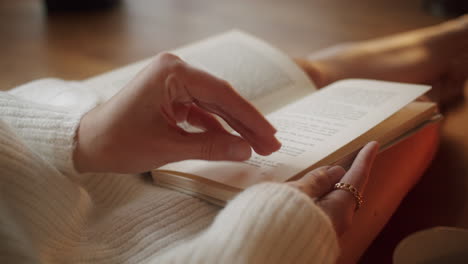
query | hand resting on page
[136, 130]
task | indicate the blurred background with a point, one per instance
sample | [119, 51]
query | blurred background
[96, 36]
[79, 39]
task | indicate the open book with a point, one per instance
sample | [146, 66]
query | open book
[315, 127]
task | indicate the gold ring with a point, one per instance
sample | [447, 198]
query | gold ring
[348, 187]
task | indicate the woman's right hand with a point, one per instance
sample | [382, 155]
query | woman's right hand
[338, 204]
[137, 129]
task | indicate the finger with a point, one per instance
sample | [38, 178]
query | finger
[180, 111]
[347, 160]
[342, 202]
[211, 145]
[340, 205]
[195, 116]
[217, 96]
[358, 173]
[201, 119]
[319, 181]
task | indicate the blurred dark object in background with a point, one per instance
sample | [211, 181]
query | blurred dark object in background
[78, 5]
[446, 8]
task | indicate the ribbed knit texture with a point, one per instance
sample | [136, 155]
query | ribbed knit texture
[267, 223]
[50, 214]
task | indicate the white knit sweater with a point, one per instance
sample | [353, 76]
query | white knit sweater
[51, 214]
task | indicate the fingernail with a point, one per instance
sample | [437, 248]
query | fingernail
[278, 144]
[239, 150]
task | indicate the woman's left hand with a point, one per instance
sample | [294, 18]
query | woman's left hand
[340, 205]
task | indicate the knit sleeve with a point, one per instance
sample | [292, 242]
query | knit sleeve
[47, 130]
[267, 223]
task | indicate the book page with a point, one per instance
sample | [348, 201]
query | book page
[310, 130]
[260, 73]
[109, 83]
[399, 126]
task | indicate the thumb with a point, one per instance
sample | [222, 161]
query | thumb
[214, 145]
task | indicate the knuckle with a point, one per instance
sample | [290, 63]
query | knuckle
[342, 170]
[321, 178]
[177, 66]
[170, 62]
[166, 57]
[225, 84]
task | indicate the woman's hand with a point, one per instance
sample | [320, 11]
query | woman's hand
[136, 130]
[338, 204]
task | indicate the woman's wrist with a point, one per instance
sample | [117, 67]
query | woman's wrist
[85, 156]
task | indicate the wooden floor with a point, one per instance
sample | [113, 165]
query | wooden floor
[76, 46]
